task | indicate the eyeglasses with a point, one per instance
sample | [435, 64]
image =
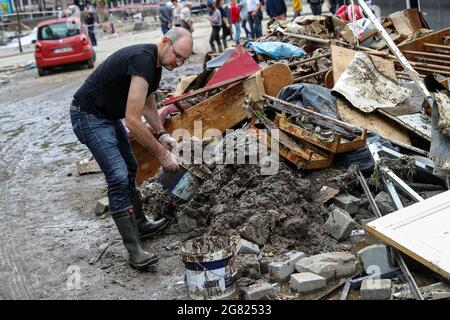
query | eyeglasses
[179, 58]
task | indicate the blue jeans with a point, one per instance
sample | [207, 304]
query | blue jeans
[108, 142]
[255, 25]
[164, 28]
[237, 27]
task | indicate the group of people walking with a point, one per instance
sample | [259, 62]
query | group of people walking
[224, 14]
[174, 14]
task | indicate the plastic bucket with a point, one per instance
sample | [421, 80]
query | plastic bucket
[180, 183]
[208, 263]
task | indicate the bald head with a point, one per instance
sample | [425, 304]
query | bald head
[175, 47]
[179, 34]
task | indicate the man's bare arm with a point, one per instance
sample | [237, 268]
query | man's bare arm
[135, 106]
[151, 114]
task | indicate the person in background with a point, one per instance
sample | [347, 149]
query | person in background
[346, 12]
[186, 21]
[260, 15]
[225, 29]
[215, 17]
[297, 7]
[243, 8]
[316, 7]
[90, 22]
[165, 13]
[235, 18]
[276, 9]
[176, 13]
[253, 7]
[335, 4]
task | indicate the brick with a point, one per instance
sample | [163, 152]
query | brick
[339, 224]
[375, 259]
[306, 282]
[281, 270]
[102, 206]
[261, 291]
[376, 289]
[332, 265]
[347, 202]
[246, 246]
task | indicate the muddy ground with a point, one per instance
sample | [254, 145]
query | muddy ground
[49, 232]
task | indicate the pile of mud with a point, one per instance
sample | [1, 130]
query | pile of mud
[277, 211]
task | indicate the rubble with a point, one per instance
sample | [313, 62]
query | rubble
[375, 259]
[376, 289]
[247, 265]
[306, 282]
[246, 246]
[281, 270]
[320, 135]
[332, 265]
[339, 224]
[261, 291]
[102, 206]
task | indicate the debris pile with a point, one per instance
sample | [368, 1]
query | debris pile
[359, 141]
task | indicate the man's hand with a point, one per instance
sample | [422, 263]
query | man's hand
[169, 162]
[167, 141]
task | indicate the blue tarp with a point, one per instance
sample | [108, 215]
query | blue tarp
[277, 50]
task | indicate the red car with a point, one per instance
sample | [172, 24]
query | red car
[62, 42]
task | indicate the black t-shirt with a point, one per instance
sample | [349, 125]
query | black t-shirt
[105, 91]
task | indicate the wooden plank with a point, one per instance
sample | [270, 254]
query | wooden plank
[374, 122]
[276, 77]
[418, 44]
[422, 231]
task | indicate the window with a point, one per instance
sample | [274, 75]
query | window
[58, 30]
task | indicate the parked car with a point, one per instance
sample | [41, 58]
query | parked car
[62, 42]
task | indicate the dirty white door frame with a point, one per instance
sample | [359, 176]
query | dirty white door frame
[422, 231]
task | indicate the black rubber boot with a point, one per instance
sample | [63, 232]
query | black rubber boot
[126, 224]
[146, 228]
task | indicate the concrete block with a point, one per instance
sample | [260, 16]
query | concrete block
[376, 289]
[347, 202]
[86, 166]
[332, 265]
[375, 259]
[339, 224]
[102, 206]
[281, 270]
[384, 203]
[264, 263]
[306, 282]
[247, 265]
[246, 246]
[261, 291]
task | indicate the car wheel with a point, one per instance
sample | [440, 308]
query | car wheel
[90, 63]
[42, 72]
